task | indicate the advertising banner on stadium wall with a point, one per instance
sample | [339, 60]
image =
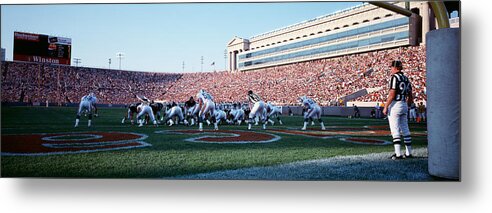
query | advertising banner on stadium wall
[42, 48]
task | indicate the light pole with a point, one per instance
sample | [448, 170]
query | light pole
[109, 62]
[225, 59]
[201, 65]
[183, 66]
[120, 56]
[77, 61]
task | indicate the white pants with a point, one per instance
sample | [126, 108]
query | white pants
[148, 110]
[208, 106]
[84, 105]
[413, 114]
[258, 110]
[175, 111]
[194, 110]
[315, 113]
[220, 115]
[397, 117]
[238, 114]
[275, 112]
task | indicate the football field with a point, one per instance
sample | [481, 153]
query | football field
[42, 142]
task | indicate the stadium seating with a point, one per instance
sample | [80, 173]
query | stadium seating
[324, 80]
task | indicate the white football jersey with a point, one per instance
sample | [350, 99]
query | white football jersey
[309, 103]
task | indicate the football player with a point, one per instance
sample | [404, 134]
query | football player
[87, 102]
[132, 109]
[219, 115]
[257, 110]
[273, 111]
[145, 109]
[205, 105]
[313, 111]
[236, 114]
[157, 108]
[175, 111]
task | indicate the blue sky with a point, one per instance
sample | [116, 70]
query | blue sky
[155, 37]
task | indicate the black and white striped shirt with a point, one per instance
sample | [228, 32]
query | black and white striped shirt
[402, 85]
[254, 98]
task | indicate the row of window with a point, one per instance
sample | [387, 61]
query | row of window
[331, 48]
[353, 32]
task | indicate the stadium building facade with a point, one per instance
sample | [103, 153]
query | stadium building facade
[358, 29]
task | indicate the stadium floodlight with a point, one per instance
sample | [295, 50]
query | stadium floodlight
[201, 67]
[77, 61]
[120, 55]
[225, 59]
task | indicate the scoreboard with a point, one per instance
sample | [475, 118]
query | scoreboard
[42, 48]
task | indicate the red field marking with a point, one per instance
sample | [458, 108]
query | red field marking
[62, 143]
[225, 136]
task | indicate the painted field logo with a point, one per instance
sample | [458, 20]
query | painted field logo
[69, 143]
[225, 136]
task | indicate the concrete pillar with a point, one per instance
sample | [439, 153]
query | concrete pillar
[230, 61]
[425, 20]
[234, 59]
[443, 102]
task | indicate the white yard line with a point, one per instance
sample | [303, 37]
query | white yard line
[376, 166]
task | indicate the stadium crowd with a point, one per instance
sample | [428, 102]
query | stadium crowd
[34, 82]
[326, 81]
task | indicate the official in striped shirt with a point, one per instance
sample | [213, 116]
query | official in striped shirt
[396, 107]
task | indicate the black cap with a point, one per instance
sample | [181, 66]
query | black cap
[250, 92]
[396, 63]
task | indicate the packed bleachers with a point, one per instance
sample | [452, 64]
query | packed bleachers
[325, 80]
[34, 82]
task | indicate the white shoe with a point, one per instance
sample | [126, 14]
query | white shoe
[323, 128]
[305, 125]
[281, 123]
[249, 126]
[76, 125]
[264, 126]
[140, 125]
[123, 121]
[171, 122]
[208, 122]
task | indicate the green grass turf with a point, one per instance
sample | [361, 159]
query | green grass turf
[169, 154]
